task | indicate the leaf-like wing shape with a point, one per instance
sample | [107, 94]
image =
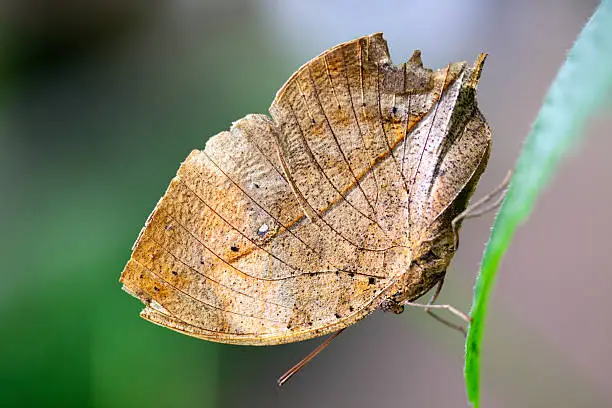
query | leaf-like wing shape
[290, 227]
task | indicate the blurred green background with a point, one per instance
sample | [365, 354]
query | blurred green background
[101, 100]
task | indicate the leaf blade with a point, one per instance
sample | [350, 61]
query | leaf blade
[581, 86]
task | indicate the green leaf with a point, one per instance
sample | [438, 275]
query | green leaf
[582, 85]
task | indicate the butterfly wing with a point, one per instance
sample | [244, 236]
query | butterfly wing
[288, 228]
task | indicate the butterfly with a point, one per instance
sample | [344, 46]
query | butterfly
[342, 201]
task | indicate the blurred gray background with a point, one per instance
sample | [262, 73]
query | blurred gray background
[101, 100]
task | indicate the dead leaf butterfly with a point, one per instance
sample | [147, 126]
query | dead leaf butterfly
[344, 200]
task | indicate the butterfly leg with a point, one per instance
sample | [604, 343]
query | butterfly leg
[487, 203]
[430, 305]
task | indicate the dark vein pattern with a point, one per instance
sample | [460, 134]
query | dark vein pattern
[293, 226]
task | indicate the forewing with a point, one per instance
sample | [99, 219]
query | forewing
[286, 229]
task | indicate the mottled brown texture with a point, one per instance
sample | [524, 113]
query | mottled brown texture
[298, 225]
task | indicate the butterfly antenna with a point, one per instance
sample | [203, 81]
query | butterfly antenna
[293, 370]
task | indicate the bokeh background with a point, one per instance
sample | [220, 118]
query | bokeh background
[101, 100]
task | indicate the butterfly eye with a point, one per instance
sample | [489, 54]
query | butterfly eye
[425, 258]
[429, 256]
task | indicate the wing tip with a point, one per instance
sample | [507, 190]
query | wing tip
[477, 70]
[376, 50]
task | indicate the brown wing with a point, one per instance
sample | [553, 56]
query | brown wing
[449, 150]
[288, 228]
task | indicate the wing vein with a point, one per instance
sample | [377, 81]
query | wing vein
[406, 134]
[337, 142]
[382, 125]
[221, 258]
[286, 228]
[348, 86]
[433, 121]
[165, 282]
[314, 158]
[213, 280]
[316, 212]
[240, 232]
[265, 156]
